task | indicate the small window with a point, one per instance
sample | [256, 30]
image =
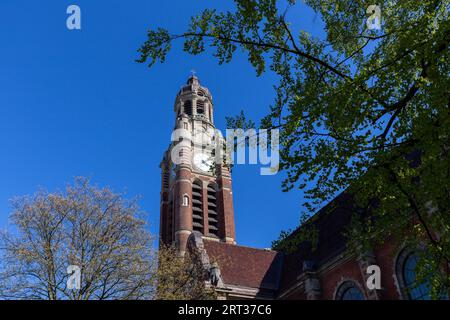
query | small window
[185, 201]
[349, 291]
[185, 125]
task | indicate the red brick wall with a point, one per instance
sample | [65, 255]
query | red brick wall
[386, 259]
[334, 277]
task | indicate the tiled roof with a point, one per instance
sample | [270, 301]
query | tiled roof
[244, 266]
[272, 270]
[330, 223]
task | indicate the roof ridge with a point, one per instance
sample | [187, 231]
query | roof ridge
[236, 245]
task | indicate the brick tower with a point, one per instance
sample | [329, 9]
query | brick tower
[196, 193]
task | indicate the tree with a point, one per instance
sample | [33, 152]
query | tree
[95, 231]
[351, 108]
[181, 278]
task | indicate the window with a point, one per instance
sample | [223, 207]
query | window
[415, 291]
[197, 206]
[170, 223]
[185, 201]
[352, 294]
[188, 107]
[200, 107]
[166, 178]
[407, 278]
[349, 290]
[185, 126]
[212, 211]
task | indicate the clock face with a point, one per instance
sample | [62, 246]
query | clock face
[203, 162]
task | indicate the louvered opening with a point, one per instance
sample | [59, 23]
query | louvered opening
[200, 107]
[197, 207]
[166, 178]
[197, 194]
[212, 213]
[188, 107]
[170, 222]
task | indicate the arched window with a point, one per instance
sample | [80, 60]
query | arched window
[187, 107]
[197, 206]
[212, 210]
[349, 290]
[185, 202]
[407, 278]
[200, 107]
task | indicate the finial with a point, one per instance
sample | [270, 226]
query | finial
[193, 78]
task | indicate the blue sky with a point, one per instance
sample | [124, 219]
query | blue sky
[74, 103]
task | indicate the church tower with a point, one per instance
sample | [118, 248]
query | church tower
[196, 193]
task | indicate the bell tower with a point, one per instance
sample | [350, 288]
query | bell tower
[196, 192]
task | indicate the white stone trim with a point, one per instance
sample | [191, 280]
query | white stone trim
[184, 180]
[229, 239]
[183, 231]
[399, 284]
[353, 281]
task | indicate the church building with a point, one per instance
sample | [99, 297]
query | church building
[197, 216]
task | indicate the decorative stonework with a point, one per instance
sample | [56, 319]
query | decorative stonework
[313, 289]
[364, 261]
[195, 243]
[349, 282]
[398, 262]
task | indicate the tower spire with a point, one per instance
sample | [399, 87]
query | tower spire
[194, 197]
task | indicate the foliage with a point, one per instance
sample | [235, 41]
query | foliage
[181, 278]
[97, 230]
[353, 100]
[94, 229]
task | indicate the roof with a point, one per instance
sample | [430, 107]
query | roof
[330, 223]
[193, 86]
[276, 270]
[244, 266]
